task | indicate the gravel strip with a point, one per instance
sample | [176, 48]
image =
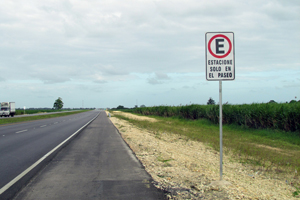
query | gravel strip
[187, 169]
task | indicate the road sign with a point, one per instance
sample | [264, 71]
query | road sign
[219, 56]
[220, 67]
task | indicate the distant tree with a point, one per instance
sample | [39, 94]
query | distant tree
[293, 101]
[142, 106]
[58, 104]
[120, 107]
[211, 101]
[272, 101]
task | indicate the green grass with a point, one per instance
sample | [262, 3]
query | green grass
[296, 193]
[11, 120]
[270, 150]
[35, 111]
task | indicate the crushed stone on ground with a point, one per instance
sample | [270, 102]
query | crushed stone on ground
[187, 169]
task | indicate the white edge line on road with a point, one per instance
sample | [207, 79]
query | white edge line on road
[43, 126]
[8, 185]
[22, 131]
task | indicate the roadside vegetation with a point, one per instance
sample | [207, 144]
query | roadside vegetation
[37, 111]
[58, 104]
[264, 136]
[283, 116]
[39, 117]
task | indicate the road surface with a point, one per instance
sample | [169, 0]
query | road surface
[22, 144]
[97, 164]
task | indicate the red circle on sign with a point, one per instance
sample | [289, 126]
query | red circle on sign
[229, 50]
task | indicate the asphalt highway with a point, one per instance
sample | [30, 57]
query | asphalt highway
[96, 164]
[29, 115]
[23, 144]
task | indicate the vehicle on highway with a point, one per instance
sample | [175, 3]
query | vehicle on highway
[7, 109]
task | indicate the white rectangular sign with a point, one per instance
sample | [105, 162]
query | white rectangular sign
[219, 56]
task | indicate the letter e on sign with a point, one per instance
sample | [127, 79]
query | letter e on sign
[219, 53]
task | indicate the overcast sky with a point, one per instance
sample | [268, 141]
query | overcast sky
[105, 53]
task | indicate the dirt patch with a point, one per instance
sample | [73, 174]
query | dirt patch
[268, 147]
[276, 150]
[188, 169]
[136, 117]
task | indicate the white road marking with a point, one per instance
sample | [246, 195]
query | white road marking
[22, 131]
[55, 122]
[43, 126]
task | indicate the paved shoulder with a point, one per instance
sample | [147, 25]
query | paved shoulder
[96, 165]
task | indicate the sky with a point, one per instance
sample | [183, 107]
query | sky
[106, 53]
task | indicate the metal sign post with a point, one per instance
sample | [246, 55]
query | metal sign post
[221, 129]
[220, 65]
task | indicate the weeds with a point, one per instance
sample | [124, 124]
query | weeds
[165, 161]
[296, 193]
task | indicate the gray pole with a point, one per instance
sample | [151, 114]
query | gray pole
[221, 130]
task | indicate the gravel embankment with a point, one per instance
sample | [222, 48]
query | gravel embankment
[188, 169]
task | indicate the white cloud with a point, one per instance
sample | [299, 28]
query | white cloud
[159, 78]
[106, 43]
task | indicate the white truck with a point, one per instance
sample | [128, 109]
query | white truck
[7, 109]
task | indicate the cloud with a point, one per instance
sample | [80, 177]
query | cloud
[188, 87]
[51, 74]
[112, 71]
[159, 78]
[97, 78]
[100, 81]
[152, 34]
[90, 43]
[282, 11]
